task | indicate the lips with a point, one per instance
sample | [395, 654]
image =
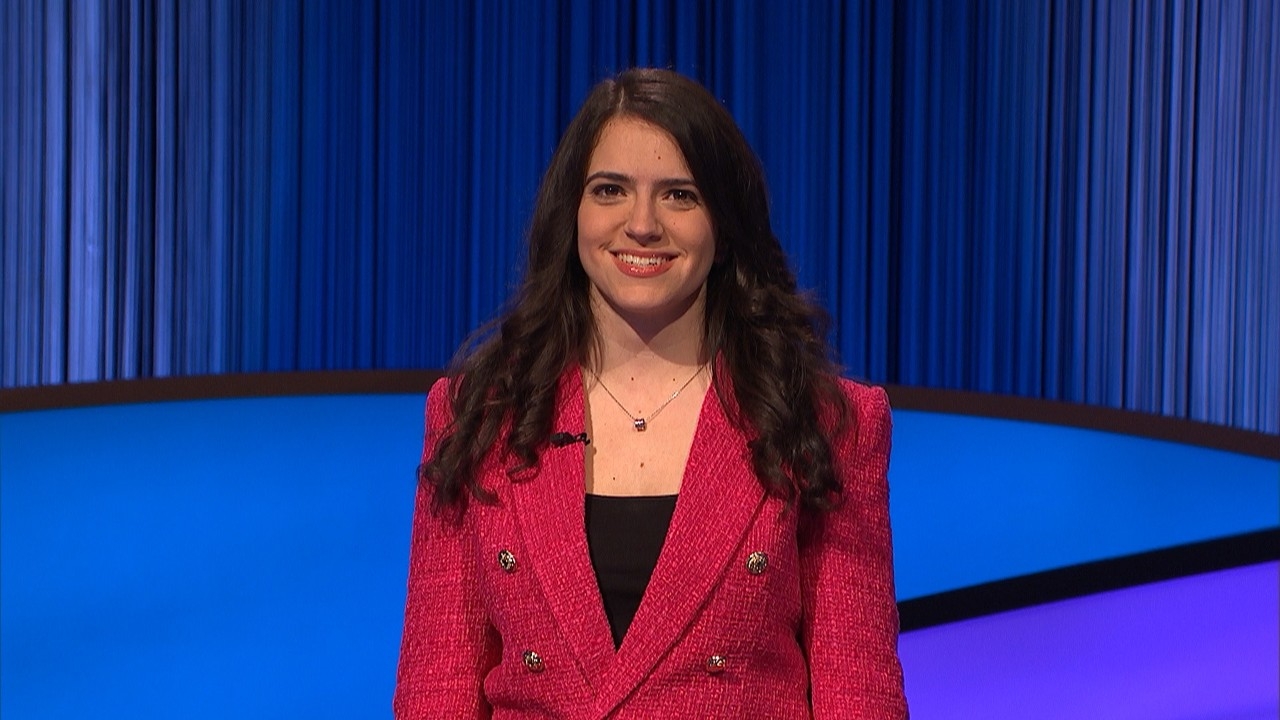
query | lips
[642, 264]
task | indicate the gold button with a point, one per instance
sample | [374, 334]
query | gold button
[533, 661]
[507, 561]
[757, 562]
[715, 664]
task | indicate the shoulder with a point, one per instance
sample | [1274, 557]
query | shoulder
[868, 405]
[869, 401]
[868, 419]
[440, 404]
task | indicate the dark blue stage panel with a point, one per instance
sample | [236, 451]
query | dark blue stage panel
[1204, 647]
[247, 558]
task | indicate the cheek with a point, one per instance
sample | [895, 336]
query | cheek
[593, 225]
[709, 248]
[585, 236]
[707, 233]
[583, 221]
[588, 244]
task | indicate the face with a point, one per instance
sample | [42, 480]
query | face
[644, 234]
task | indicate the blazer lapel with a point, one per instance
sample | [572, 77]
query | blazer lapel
[719, 498]
[549, 509]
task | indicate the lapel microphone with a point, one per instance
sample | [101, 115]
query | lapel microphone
[561, 439]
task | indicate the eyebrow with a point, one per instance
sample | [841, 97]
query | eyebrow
[621, 178]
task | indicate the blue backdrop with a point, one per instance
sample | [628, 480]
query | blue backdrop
[1074, 200]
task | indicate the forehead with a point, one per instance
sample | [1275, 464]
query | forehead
[636, 147]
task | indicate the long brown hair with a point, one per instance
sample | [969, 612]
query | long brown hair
[781, 386]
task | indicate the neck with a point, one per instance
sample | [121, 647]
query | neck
[640, 348]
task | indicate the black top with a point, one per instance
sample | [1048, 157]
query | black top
[624, 537]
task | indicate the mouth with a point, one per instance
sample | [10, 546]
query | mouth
[641, 261]
[642, 264]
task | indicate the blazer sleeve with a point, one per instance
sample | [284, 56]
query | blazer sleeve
[849, 628]
[448, 645]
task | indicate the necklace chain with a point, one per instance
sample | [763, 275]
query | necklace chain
[641, 423]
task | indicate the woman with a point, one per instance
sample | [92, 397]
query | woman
[654, 417]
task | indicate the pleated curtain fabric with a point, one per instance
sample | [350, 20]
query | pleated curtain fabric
[1071, 200]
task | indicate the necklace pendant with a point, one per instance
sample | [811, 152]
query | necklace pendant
[639, 424]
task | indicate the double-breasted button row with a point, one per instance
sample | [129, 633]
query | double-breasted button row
[756, 564]
[532, 660]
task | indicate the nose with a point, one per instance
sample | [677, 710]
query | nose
[642, 224]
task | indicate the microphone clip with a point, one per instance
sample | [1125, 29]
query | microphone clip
[562, 439]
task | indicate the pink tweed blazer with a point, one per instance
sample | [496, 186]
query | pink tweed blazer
[812, 633]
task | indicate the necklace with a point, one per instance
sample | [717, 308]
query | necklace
[640, 423]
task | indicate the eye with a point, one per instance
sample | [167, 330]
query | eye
[683, 197]
[606, 191]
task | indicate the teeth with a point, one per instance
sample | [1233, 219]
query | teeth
[642, 261]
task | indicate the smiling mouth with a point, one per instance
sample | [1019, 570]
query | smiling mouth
[641, 260]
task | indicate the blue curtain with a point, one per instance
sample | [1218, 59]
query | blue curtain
[1072, 200]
